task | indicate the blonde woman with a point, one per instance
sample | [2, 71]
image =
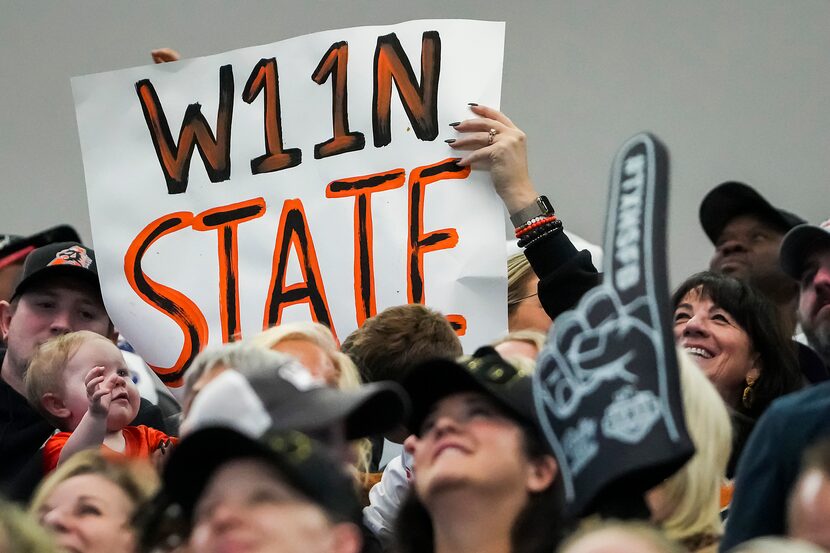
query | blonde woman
[524, 310]
[687, 505]
[315, 347]
[89, 502]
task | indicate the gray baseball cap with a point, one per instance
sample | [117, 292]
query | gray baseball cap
[287, 397]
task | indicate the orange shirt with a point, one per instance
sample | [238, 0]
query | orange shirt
[141, 441]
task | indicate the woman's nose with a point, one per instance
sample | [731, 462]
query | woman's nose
[445, 424]
[55, 520]
[224, 516]
[695, 327]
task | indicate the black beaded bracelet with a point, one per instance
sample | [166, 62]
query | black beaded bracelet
[527, 238]
[548, 233]
[538, 232]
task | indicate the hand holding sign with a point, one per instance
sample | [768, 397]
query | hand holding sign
[607, 385]
[303, 179]
[499, 145]
[164, 55]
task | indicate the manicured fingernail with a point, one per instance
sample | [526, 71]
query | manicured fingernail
[450, 140]
[472, 104]
[455, 124]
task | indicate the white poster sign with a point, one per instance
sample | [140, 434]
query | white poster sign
[305, 179]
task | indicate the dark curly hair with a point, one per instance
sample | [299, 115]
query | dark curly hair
[756, 315]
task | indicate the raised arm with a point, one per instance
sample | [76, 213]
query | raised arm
[92, 429]
[495, 143]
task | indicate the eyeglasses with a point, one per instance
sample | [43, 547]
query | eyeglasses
[523, 298]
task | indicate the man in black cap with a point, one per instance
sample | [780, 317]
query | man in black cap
[279, 492]
[805, 256]
[58, 293]
[771, 459]
[747, 231]
[14, 249]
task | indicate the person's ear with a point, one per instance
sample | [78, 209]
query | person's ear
[112, 334]
[6, 312]
[55, 406]
[543, 471]
[753, 373]
[346, 538]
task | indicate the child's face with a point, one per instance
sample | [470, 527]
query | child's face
[125, 397]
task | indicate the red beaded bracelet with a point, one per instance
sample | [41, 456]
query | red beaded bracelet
[534, 223]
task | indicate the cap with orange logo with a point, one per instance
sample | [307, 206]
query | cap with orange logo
[67, 258]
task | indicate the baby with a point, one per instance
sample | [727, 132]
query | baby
[80, 383]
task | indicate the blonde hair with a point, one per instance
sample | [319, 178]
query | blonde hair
[19, 533]
[45, 373]
[319, 335]
[776, 544]
[135, 477]
[518, 275]
[693, 492]
[526, 335]
[640, 531]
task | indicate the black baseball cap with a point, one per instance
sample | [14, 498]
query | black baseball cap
[286, 397]
[304, 465]
[799, 243]
[731, 199]
[485, 372]
[67, 258]
[14, 248]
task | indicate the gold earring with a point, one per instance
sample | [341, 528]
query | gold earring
[749, 394]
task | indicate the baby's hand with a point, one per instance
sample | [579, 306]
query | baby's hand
[98, 391]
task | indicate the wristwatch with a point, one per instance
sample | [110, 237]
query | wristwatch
[541, 206]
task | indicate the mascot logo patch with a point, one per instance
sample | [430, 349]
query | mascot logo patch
[76, 255]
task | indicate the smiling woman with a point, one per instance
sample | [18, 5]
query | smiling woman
[88, 503]
[484, 479]
[731, 332]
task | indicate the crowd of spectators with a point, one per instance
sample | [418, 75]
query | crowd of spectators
[395, 441]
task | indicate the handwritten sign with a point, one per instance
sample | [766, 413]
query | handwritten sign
[322, 188]
[607, 387]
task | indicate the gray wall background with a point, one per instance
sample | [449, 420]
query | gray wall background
[737, 89]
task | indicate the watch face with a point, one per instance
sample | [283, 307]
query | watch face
[544, 205]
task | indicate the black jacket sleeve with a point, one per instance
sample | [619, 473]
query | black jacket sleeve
[565, 274]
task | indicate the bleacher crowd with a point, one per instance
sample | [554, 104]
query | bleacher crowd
[393, 441]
